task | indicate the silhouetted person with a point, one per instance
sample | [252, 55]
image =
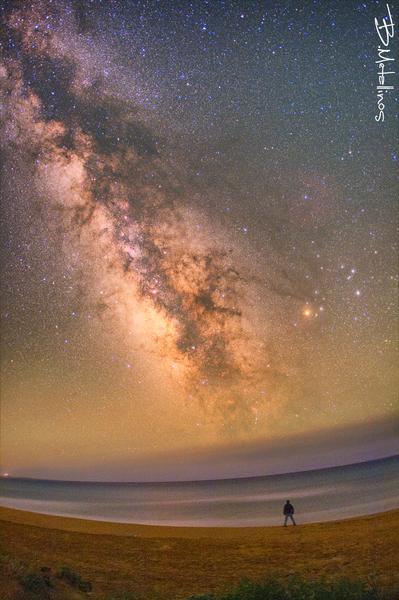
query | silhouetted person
[288, 513]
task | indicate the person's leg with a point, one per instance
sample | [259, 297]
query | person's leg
[285, 520]
[292, 519]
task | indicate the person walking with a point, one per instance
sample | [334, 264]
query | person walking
[288, 513]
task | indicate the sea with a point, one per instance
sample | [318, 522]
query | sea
[319, 495]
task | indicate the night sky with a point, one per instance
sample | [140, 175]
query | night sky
[199, 237]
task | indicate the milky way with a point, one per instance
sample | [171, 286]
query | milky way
[182, 266]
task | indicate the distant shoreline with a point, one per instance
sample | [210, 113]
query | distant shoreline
[80, 525]
[319, 496]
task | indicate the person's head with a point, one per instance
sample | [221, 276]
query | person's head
[288, 501]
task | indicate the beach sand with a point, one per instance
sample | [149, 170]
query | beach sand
[165, 563]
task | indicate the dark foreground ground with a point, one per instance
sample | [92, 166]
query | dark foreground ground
[165, 563]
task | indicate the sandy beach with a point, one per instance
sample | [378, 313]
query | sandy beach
[164, 563]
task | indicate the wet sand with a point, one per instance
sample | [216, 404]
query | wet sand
[125, 529]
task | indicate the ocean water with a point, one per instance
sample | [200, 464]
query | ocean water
[318, 495]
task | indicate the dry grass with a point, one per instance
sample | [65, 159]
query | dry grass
[161, 563]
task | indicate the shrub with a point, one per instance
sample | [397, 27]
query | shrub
[203, 597]
[341, 588]
[84, 586]
[252, 590]
[74, 579]
[70, 576]
[297, 589]
[35, 583]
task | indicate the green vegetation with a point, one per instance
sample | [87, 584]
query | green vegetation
[74, 579]
[42, 584]
[298, 589]
[35, 583]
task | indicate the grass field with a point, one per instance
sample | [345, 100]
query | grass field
[166, 563]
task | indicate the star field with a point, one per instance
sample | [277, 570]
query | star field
[198, 230]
